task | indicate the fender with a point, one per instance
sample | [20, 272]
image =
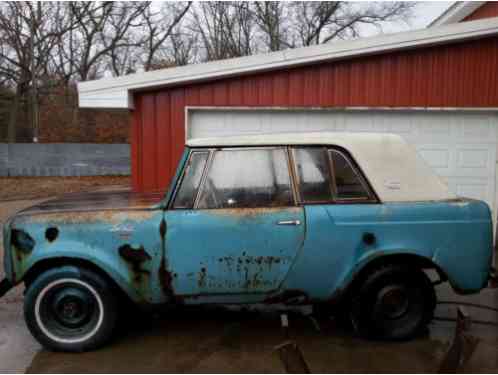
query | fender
[105, 260]
[375, 258]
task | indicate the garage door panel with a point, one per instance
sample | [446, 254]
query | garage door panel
[438, 156]
[470, 187]
[473, 160]
[430, 127]
[476, 128]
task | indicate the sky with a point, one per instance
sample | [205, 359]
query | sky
[424, 13]
[427, 11]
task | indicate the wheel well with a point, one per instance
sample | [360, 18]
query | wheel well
[46, 264]
[411, 260]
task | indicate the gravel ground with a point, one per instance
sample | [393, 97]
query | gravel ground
[15, 188]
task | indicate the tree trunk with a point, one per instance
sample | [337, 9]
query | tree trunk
[14, 109]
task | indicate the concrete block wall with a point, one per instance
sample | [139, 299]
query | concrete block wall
[64, 159]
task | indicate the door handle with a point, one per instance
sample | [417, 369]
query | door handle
[289, 222]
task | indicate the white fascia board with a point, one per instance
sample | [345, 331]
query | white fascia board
[116, 92]
[457, 12]
[118, 98]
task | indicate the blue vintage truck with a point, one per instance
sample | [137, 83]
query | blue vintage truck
[322, 219]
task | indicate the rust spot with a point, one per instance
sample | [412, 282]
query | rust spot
[290, 297]
[164, 274]
[106, 216]
[22, 241]
[162, 229]
[202, 278]
[251, 212]
[135, 257]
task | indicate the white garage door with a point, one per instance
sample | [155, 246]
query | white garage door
[460, 146]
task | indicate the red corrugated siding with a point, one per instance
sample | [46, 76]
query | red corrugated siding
[460, 75]
[488, 10]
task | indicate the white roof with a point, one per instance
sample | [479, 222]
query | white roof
[394, 169]
[457, 12]
[116, 92]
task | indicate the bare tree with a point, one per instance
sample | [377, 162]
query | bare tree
[52, 44]
[158, 27]
[183, 48]
[102, 28]
[225, 29]
[272, 19]
[324, 21]
[27, 37]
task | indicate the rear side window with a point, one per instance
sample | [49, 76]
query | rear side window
[247, 178]
[185, 196]
[313, 174]
[348, 182]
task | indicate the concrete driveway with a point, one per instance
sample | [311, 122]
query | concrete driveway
[210, 340]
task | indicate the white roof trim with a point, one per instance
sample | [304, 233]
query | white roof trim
[394, 169]
[457, 12]
[115, 92]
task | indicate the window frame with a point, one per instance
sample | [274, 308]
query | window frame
[371, 195]
[212, 151]
[292, 151]
[293, 175]
[334, 199]
[181, 178]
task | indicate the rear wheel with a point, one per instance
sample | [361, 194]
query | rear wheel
[70, 309]
[394, 303]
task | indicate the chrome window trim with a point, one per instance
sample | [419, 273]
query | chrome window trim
[184, 171]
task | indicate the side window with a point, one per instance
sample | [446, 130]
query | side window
[247, 178]
[313, 174]
[187, 192]
[348, 182]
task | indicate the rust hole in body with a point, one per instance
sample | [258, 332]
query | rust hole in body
[22, 241]
[136, 257]
[51, 234]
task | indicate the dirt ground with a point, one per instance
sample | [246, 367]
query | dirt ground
[207, 340]
[15, 188]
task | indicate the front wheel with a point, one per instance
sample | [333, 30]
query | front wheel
[70, 309]
[394, 302]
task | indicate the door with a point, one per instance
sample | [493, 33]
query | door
[233, 228]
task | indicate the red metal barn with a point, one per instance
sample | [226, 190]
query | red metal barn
[437, 87]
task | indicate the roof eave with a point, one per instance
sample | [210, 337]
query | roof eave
[457, 12]
[117, 92]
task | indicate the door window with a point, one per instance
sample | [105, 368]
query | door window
[247, 178]
[313, 174]
[349, 184]
[185, 196]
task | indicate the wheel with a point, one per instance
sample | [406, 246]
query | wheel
[393, 303]
[70, 309]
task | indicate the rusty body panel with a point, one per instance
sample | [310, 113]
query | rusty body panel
[455, 76]
[96, 201]
[295, 254]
